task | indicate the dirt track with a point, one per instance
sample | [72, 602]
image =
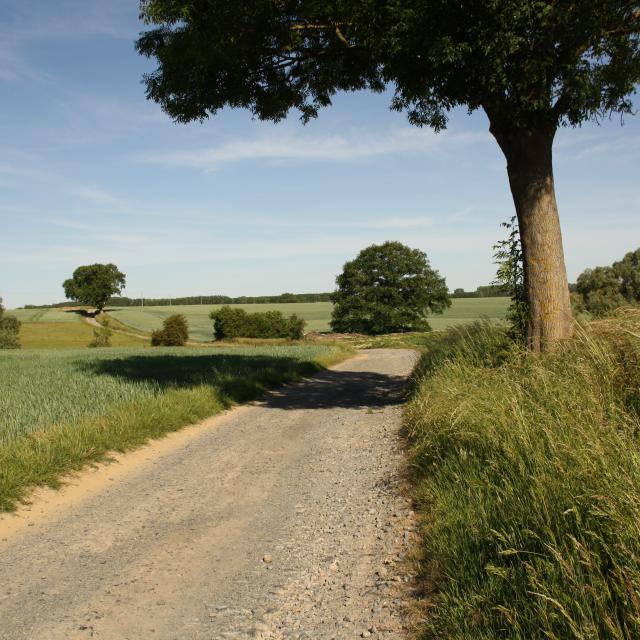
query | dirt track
[282, 519]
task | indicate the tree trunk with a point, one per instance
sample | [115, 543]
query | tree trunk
[530, 169]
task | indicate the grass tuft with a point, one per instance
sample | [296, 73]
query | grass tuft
[528, 472]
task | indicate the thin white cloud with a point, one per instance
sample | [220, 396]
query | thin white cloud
[313, 148]
[98, 196]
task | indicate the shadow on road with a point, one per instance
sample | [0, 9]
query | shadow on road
[244, 377]
[340, 389]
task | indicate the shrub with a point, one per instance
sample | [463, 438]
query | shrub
[528, 476]
[9, 330]
[174, 332]
[230, 323]
[101, 336]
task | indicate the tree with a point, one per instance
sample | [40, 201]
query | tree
[628, 272]
[603, 289]
[9, 330]
[531, 65]
[94, 284]
[388, 288]
[174, 332]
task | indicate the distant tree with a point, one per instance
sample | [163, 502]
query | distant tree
[531, 65]
[602, 289]
[94, 284]
[9, 330]
[102, 336]
[388, 288]
[628, 272]
[174, 332]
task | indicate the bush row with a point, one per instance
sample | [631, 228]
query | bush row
[230, 323]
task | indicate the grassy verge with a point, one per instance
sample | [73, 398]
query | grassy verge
[64, 409]
[528, 481]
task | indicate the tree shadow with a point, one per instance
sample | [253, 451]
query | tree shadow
[244, 377]
[341, 389]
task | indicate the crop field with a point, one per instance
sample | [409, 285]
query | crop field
[60, 329]
[45, 315]
[62, 408]
[317, 314]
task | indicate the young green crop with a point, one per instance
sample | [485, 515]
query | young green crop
[61, 409]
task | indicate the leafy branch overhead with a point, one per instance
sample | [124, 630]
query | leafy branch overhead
[525, 61]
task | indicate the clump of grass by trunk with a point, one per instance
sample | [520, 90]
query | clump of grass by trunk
[528, 479]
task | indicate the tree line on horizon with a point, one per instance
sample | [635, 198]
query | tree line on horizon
[483, 291]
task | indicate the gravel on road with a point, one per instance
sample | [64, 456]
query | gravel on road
[283, 519]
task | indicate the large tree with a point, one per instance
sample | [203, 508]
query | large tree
[531, 65]
[94, 284]
[388, 287]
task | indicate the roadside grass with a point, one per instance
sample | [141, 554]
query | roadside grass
[317, 315]
[63, 409]
[528, 485]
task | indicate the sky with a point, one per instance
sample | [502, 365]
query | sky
[91, 171]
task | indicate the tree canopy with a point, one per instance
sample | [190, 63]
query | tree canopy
[9, 330]
[94, 284]
[523, 61]
[388, 288]
[602, 289]
[531, 65]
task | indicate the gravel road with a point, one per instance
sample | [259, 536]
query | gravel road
[281, 519]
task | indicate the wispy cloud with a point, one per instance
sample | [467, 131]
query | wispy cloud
[96, 195]
[339, 148]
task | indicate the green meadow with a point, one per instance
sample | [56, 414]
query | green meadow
[317, 314]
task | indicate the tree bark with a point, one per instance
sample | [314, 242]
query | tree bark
[530, 169]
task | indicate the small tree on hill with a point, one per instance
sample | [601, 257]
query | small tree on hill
[94, 284]
[9, 330]
[102, 336]
[174, 332]
[387, 288]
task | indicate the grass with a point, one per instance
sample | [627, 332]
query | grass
[317, 314]
[63, 409]
[66, 335]
[528, 482]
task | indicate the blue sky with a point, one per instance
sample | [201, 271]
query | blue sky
[90, 171]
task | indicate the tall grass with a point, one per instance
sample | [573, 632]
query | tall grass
[528, 471]
[62, 409]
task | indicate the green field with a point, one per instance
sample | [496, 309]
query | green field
[59, 329]
[45, 315]
[317, 314]
[61, 409]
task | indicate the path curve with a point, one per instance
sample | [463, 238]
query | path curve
[283, 519]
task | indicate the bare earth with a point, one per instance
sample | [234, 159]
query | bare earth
[284, 519]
